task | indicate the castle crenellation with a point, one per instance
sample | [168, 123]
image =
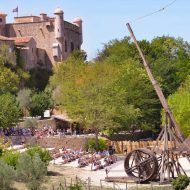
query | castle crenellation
[43, 41]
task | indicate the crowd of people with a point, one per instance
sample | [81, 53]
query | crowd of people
[49, 131]
[15, 131]
[97, 160]
[45, 131]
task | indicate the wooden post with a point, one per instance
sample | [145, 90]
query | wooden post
[156, 85]
[122, 147]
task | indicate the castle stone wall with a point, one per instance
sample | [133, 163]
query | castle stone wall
[26, 19]
[43, 34]
[54, 38]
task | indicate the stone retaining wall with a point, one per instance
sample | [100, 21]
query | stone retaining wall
[74, 143]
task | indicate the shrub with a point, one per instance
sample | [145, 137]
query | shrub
[102, 144]
[10, 158]
[30, 123]
[7, 174]
[181, 182]
[75, 187]
[4, 143]
[31, 170]
[1, 151]
[43, 153]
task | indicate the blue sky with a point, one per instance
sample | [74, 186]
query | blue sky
[104, 20]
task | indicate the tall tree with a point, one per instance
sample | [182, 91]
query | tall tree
[40, 101]
[7, 57]
[104, 95]
[180, 103]
[168, 57]
[9, 81]
[10, 111]
[24, 99]
[12, 73]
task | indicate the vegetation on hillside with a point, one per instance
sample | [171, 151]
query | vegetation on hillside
[111, 93]
[180, 104]
[114, 92]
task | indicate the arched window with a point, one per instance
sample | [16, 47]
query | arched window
[1, 20]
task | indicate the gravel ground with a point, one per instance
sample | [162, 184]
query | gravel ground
[70, 170]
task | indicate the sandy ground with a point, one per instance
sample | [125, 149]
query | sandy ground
[70, 170]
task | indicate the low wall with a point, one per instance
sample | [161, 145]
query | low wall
[41, 123]
[122, 146]
[74, 143]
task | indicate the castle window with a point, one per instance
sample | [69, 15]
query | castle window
[1, 20]
[72, 46]
[55, 50]
[65, 46]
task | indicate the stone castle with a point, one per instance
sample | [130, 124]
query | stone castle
[42, 40]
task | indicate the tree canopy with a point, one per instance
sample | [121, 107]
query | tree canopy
[10, 111]
[114, 90]
[9, 81]
[40, 101]
[180, 104]
[103, 95]
[169, 58]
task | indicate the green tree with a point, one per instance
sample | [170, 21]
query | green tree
[105, 96]
[24, 99]
[10, 157]
[181, 182]
[31, 123]
[180, 103]
[10, 111]
[43, 154]
[7, 175]
[78, 55]
[7, 57]
[12, 73]
[40, 102]
[31, 170]
[38, 78]
[20, 69]
[168, 57]
[9, 81]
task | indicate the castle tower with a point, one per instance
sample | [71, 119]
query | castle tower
[78, 22]
[43, 16]
[59, 33]
[2, 23]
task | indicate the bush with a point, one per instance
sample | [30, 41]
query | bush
[1, 151]
[30, 123]
[31, 170]
[181, 182]
[10, 158]
[102, 144]
[43, 153]
[75, 187]
[7, 174]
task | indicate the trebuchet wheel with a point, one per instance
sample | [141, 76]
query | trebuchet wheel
[141, 165]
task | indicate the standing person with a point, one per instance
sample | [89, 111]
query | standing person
[110, 150]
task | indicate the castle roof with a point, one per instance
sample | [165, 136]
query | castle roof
[58, 11]
[77, 19]
[3, 14]
[19, 40]
[3, 38]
